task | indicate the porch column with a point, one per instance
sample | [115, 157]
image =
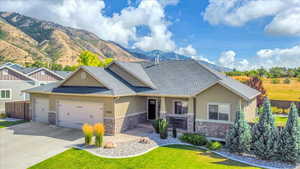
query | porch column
[163, 111]
[190, 115]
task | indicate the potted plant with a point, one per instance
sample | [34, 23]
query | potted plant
[163, 129]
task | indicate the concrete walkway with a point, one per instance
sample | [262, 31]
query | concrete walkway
[24, 145]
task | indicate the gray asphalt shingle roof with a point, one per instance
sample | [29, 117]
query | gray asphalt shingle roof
[177, 77]
[27, 70]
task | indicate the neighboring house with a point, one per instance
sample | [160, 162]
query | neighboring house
[14, 78]
[193, 97]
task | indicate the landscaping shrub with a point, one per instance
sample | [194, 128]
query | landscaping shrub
[275, 81]
[238, 138]
[289, 140]
[163, 129]
[99, 133]
[155, 125]
[214, 145]
[3, 115]
[286, 81]
[88, 133]
[195, 139]
[265, 134]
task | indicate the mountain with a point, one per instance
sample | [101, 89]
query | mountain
[26, 39]
[151, 55]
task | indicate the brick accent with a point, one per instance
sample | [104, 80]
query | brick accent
[129, 122]
[212, 129]
[109, 124]
[52, 118]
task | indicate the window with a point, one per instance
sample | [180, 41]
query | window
[218, 112]
[5, 93]
[180, 107]
[5, 72]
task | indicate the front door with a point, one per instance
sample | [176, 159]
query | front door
[151, 109]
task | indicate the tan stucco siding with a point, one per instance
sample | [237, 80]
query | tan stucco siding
[250, 109]
[54, 99]
[170, 104]
[76, 80]
[218, 94]
[127, 105]
[126, 76]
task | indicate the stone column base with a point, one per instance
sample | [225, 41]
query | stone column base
[212, 129]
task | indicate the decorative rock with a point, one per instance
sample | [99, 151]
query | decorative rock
[144, 140]
[110, 145]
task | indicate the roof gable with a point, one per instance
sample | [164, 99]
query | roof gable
[14, 74]
[49, 72]
[133, 73]
[81, 77]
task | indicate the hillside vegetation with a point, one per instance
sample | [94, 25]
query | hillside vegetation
[24, 40]
[278, 89]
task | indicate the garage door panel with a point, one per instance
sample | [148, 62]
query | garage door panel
[41, 110]
[74, 113]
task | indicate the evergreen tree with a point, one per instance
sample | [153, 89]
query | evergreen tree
[238, 138]
[265, 134]
[289, 142]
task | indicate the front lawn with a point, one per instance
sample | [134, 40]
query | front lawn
[10, 123]
[167, 157]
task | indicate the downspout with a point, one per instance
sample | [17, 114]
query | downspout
[194, 126]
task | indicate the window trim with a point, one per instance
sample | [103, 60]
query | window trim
[182, 101]
[215, 103]
[10, 94]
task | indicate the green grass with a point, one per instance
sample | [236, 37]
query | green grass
[167, 157]
[279, 121]
[10, 123]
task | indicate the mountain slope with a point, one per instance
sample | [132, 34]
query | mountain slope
[30, 38]
[151, 55]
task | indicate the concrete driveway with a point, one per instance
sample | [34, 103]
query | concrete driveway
[26, 144]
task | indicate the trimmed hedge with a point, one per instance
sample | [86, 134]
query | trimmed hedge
[195, 139]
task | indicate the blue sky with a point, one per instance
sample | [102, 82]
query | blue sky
[241, 34]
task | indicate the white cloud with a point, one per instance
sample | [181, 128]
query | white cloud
[168, 2]
[89, 14]
[285, 23]
[228, 59]
[289, 57]
[187, 51]
[239, 12]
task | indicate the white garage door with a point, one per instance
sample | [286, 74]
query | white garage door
[74, 114]
[41, 110]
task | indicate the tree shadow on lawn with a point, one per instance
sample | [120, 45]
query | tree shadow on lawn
[201, 152]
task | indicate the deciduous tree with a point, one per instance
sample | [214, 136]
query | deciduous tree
[256, 83]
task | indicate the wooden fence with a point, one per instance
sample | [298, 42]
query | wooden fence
[284, 104]
[18, 109]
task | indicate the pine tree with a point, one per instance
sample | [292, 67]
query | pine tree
[289, 143]
[265, 134]
[238, 138]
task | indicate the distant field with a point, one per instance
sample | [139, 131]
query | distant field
[290, 92]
